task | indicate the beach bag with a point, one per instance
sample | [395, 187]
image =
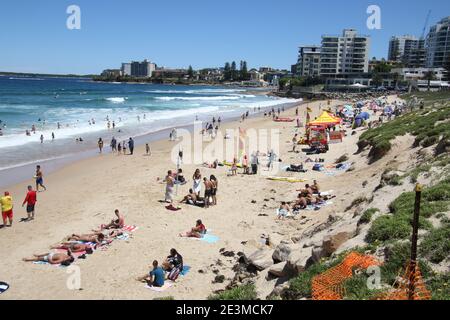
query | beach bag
[173, 274]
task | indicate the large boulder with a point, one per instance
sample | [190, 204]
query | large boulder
[281, 253]
[261, 259]
[298, 261]
[332, 242]
[279, 270]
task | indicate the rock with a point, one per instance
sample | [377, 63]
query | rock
[263, 286]
[332, 242]
[281, 253]
[261, 259]
[228, 253]
[219, 279]
[298, 261]
[317, 254]
[279, 270]
[253, 201]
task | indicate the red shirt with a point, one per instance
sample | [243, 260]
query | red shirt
[30, 198]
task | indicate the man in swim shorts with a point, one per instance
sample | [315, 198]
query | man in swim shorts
[30, 201]
[6, 204]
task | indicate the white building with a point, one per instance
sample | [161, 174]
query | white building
[412, 74]
[308, 64]
[126, 69]
[438, 44]
[345, 54]
[408, 50]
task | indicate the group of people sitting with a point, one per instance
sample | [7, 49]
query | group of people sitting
[81, 243]
[172, 267]
[310, 195]
[210, 194]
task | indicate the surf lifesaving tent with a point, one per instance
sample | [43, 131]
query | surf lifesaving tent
[325, 119]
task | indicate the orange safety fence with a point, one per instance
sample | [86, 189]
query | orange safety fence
[330, 284]
[401, 291]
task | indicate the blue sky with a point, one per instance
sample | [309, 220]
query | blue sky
[176, 33]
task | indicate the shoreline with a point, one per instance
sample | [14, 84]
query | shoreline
[11, 176]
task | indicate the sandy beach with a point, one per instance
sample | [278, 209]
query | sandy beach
[83, 195]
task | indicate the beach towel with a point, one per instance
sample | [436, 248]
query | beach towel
[209, 238]
[3, 287]
[167, 285]
[130, 228]
[124, 236]
[185, 270]
[172, 208]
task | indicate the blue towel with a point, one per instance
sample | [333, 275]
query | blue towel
[185, 270]
[209, 238]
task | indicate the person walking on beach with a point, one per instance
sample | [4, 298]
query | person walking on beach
[294, 143]
[215, 184]
[113, 144]
[100, 145]
[39, 179]
[131, 145]
[6, 204]
[147, 149]
[42, 138]
[119, 148]
[30, 201]
[208, 192]
[53, 136]
[170, 182]
[254, 163]
[124, 147]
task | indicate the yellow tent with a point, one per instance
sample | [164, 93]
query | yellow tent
[325, 119]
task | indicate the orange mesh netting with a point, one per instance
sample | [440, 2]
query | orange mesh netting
[330, 284]
[402, 287]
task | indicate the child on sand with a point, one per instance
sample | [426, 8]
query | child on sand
[283, 211]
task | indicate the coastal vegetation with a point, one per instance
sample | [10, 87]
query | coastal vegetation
[429, 126]
[244, 292]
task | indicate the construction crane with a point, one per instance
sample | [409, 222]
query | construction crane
[426, 25]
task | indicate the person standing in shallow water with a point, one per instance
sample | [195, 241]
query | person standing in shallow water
[131, 145]
[100, 145]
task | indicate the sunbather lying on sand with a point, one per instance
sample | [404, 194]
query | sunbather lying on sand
[154, 278]
[108, 234]
[196, 232]
[53, 258]
[75, 247]
[116, 223]
[95, 238]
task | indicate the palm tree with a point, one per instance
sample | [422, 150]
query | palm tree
[429, 76]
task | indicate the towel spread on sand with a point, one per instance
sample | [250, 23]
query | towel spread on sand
[167, 285]
[209, 238]
[3, 287]
[185, 271]
[130, 228]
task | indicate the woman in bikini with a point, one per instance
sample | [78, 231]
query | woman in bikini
[53, 258]
[197, 178]
[215, 184]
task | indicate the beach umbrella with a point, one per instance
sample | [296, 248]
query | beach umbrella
[364, 115]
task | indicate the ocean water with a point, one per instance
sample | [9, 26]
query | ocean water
[136, 109]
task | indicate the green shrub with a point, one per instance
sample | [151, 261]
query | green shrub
[436, 244]
[366, 217]
[245, 292]
[439, 285]
[388, 228]
[356, 288]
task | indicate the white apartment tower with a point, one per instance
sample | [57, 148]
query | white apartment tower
[438, 44]
[308, 64]
[346, 54]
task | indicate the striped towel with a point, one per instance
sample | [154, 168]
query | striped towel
[130, 228]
